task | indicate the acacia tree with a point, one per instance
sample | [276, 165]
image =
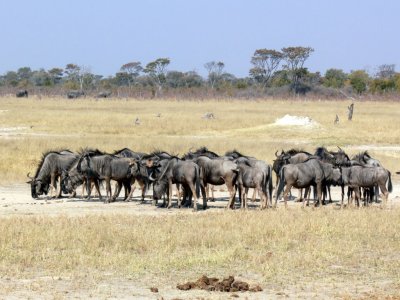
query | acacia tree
[157, 70]
[295, 57]
[132, 70]
[215, 72]
[265, 62]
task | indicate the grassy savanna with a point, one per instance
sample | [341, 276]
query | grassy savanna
[244, 125]
[285, 248]
[325, 250]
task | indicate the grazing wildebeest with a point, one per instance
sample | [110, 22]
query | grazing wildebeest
[103, 94]
[75, 94]
[301, 175]
[176, 171]
[367, 177]
[106, 167]
[71, 178]
[218, 172]
[48, 171]
[252, 176]
[22, 93]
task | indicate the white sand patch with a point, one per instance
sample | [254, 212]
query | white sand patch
[12, 129]
[289, 120]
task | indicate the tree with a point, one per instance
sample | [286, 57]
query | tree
[265, 62]
[295, 57]
[215, 71]
[156, 70]
[386, 71]
[78, 76]
[132, 69]
[56, 75]
[359, 81]
[334, 78]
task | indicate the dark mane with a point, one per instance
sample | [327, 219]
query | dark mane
[121, 150]
[234, 153]
[294, 151]
[157, 153]
[91, 152]
[203, 149]
[320, 151]
[42, 159]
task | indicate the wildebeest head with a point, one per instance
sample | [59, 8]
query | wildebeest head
[337, 176]
[38, 187]
[159, 188]
[342, 159]
[66, 183]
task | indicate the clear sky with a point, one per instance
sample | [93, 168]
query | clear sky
[103, 35]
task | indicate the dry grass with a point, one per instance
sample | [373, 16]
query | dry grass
[109, 125]
[284, 246]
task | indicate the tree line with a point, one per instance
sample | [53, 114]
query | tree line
[272, 73]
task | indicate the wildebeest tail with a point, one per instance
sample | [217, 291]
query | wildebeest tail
[281, 182]
[270, 185]
[390, 186]
[197, 181]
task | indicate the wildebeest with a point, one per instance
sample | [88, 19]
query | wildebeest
[141, 177]
[203, 151]
[260, 165]
[106, 167]
[75, 94]
[22, 93]
[292, 156]
[218, 172]
[301, 175]
[48, 171]
[176, 171]
[103, 94]
[258, 178]
[71, 178]
[367, 177]
[364, 159]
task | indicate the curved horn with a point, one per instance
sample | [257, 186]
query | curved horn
[151, 177]
[339, 148]
[276, 153]
[30, 177]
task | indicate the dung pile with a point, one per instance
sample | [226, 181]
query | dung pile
[228, 284]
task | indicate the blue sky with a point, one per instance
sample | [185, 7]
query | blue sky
[106, 34]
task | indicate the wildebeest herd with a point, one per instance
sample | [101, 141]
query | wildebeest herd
[197, 171]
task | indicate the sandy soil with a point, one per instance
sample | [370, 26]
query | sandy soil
[15, 200]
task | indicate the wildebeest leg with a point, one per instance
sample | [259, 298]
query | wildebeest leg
[357, 196]
[329, 192]
[319, 193]
[96, 184]
[142, 186]
[132, 190]
[169, 193]
[53, 185]
[193, 189]
[108, 190]
[117, 190]
[341, 202]
[286, 194]
[243, 202]
[232, 192]
[204, 195]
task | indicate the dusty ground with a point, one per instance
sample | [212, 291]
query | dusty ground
[15, 200]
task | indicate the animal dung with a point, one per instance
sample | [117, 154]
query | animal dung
[228, 284]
